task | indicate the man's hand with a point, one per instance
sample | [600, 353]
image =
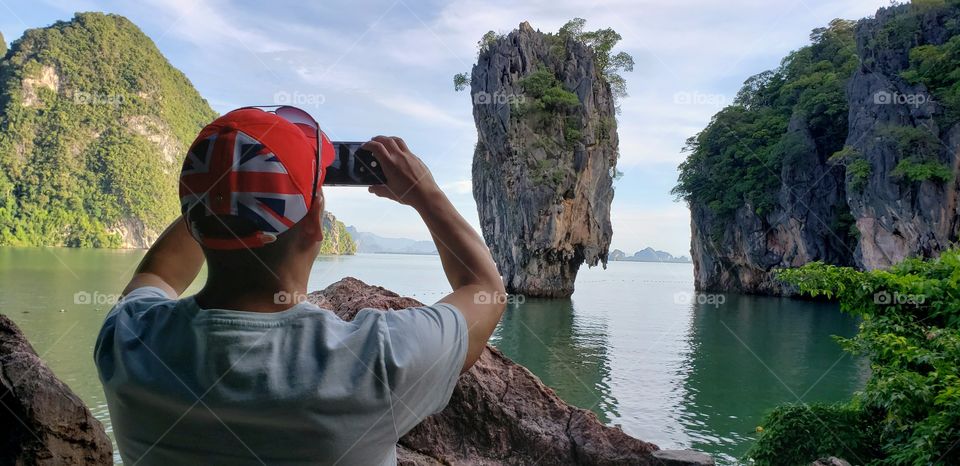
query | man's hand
[409, 181]
[463, 254]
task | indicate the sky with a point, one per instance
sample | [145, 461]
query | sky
[386, 67]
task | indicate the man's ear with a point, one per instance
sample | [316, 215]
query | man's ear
[313, 224]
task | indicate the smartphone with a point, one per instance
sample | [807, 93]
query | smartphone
[353, 166]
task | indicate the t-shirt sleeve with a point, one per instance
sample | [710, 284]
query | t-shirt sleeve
[144, 292]
[122, 317]
[425, 349]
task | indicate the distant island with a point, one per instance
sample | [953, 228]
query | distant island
[370, 243]
[647, 255]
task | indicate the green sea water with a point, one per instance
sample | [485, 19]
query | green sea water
[634, 344]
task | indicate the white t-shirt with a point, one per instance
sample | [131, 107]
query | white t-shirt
[186, 385]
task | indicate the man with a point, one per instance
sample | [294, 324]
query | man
[234, 375]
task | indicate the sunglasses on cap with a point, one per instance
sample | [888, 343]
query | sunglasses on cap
[299, 117]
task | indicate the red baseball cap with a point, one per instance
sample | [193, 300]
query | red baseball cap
[255, 169]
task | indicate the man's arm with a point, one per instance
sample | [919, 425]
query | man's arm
[171, 264]
[477, 286]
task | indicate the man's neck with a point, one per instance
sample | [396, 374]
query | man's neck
[248, 292]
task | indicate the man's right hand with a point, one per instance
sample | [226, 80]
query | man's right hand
[409, 181]
[477, 287]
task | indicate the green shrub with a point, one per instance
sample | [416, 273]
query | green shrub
[918, 149]
[937, 67]
[923, 171]
[910, 332]
[798, 434]
[860, 171]
[557, 98]
[536, 84]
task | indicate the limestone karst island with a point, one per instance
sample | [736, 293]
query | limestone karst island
[497, 233]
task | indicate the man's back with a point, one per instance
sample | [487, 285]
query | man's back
[300, 386]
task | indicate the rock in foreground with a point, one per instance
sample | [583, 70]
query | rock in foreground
[547, 146]
[42, 422]
[500, 413]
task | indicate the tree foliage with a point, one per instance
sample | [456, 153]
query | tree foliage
[910, 332]
[602, 42]
[736, 160]
[937, 67]
[93, 127]
[92, 117]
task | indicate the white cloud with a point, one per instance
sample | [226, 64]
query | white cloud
[419, 107]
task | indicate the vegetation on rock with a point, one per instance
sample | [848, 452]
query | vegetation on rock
[737, 158]
[909, 411]
[601, 42]
[336, 238]
[94, 122]
[93, 126]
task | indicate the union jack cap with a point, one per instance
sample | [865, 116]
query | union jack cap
[252, 173]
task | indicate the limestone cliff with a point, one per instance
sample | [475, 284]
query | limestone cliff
[547, 146]
[895, 122]
[845, 154]
[93, 122]
[336, 239]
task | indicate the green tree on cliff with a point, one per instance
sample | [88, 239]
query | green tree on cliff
[601, 42]
[736, 159]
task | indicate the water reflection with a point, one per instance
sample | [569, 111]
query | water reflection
[752, 353]
[568, 354]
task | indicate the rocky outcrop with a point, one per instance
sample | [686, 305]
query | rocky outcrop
[42, 422]
[897, 218]
[500, 413]
[744, 254]
[824, 210]
[542, 173]
[336, 239]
